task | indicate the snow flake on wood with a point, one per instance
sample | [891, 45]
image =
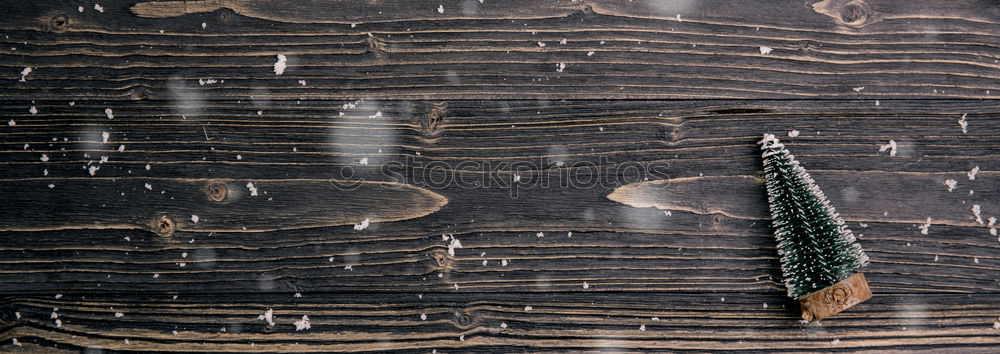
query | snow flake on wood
[440, 9]
[279, 66]
[951, 183]
[560, 67]
[109, 113]
[13, 123]
[267, 316]
[93, 170]
[44, 158]
[119, 315]
[104, 137]
[302, 324]
[528, 308]
[972, 174]
[99, 8]
[24, 74]
[586, 286]
[891, 146]
[423, 317]
[642, 328]
[963, 124]
[925, 227]
[764, 50]
[793, 133]
[195, 218]
[361, 226]
[33, 110]
[977, 211]
[453, 244]
[121, 148]
[252, 188]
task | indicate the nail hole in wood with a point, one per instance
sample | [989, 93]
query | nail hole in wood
[59, 23]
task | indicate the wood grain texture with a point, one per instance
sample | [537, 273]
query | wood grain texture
[493, 176]
[502, 49]
[450, 322]
[700, 160]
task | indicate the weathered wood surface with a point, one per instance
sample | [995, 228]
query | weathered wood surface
[384, 187]
[502, 49]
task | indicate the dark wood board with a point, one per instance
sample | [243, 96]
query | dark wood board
[502, 49]
[446, 163]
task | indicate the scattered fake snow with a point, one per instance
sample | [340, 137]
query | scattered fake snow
[951, 183]
[972, 174]
[363, 225]
[108, 112]
[517, 178]
[528, 308]
[440, 9]
[765, 50]
[24, 74]
[423, 317]
[121, 148]
[45, 158]
[891, 146]
[302, 324]
[99, 8]
[453, 244]
[194, 219]
[93, 170]
[642, 328]
[119, 315]
[560, 67]
[250, 186]
[279, 66]
[104, 137]
[964, 124]
[12, 123]
[33, 110]
[925, 227]
[793, 133]
[977, 211]
[267, 316]
[586, 286]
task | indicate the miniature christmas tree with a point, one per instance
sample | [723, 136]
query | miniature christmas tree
[820, 257]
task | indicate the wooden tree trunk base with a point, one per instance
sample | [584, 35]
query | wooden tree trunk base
[835, 298]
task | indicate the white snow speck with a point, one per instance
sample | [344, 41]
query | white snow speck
[24, 74]
[253, 190]
[541, 44]
[642, 328]
[302, 82]
[668, 213]
[835, 341]
[204, 25]
[679, 18]
[109, 113]
[654, 319]
[963, 124]
[503, 262]
[58, 296]
[765, 305]
[184, 254]
[119, 315]
[195, 218]
[104, 137]
[996, 324]
[14, 341]
[540, 234]
[363, 225]
[302, 324]
[977, 212]
[51, 186]
[377, 114]
[517, 178]
[149, 186]
[590, 53]
[972, 174]
[440, 9]
[121, 148]
[503, 324]
[560, 67]
[279, 66]
[891, 146]
[93, 170]
[423, 317]
[12, 123]
[877, 103]
[528, 308]
[858, 89]
[452, 245]
[765, 50]
[157, 275]
[951, 183]
[297, 295]
[33, 110]
[58, 323]
[99, 8]
[148, 167]
[267, 316]
[586, 286]
[793, 133]
[925, 227]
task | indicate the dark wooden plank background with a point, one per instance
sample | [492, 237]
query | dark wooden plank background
[637, 220]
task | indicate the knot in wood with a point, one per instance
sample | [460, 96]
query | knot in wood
[217, 191]
[442, 261]
[164, 226]
[7, 316]
[463, 319]
[58, 23]
[139, 93]
[855, 13]
[429, 125]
